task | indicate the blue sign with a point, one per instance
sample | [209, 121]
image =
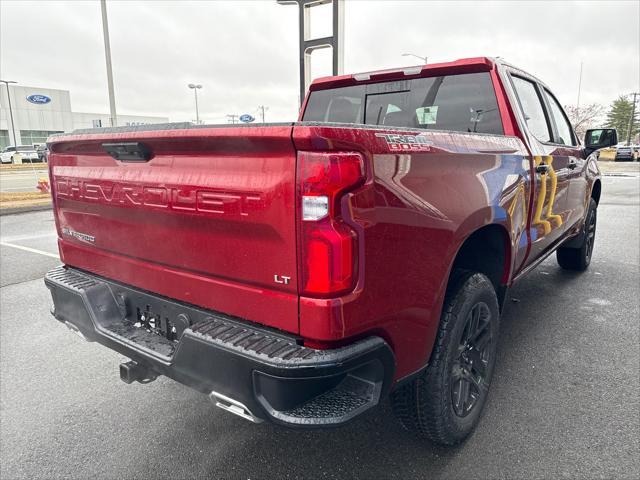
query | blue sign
[39, 99]
[246, 118]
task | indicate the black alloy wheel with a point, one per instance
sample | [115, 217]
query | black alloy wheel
[444, 401]
[468, 382]
[590, 232]
[577, 257]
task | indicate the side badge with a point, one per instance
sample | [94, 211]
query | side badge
[281, 279]
[415, 143]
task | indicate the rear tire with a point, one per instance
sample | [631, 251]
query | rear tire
[445, 401]
[578, 258]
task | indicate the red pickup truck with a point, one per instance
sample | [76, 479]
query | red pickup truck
[301, 272]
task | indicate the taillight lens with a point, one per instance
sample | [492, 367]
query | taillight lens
[329, 253]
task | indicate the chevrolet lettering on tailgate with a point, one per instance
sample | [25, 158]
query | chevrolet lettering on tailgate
[178, 198]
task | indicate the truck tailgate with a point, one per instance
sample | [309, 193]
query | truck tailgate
[209, 219]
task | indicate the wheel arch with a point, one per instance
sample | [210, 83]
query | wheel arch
[486, 250]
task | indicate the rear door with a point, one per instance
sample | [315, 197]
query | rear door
[551, 184]
[569, 153]
[208, 219]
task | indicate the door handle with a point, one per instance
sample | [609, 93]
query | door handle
[572, 164]
[542, 168]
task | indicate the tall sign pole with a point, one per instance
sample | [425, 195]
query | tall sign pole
[308, 45]
[107, 54]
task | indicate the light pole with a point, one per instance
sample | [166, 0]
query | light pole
[195, 91]
[107, 54]
[13, 125]
[424, 59]
[579, 88]
[262, 109]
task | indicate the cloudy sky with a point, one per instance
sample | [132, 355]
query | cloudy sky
[244, 53]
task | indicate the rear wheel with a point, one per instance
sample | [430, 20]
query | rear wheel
[444, 402]
[578, 258]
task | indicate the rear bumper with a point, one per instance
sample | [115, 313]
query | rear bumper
[257, 373]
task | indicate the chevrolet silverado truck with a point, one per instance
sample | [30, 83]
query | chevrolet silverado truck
[302, 272]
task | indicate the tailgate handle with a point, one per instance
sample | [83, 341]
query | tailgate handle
[128, 151]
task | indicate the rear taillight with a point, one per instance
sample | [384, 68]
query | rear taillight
[328, 253]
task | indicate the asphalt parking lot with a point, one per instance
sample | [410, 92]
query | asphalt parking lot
[564, 401]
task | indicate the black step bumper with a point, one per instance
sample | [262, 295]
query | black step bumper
[257, 373]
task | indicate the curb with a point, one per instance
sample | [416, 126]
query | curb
[23, 166]
[27, 209]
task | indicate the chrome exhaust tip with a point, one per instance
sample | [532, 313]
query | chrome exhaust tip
[233, 406]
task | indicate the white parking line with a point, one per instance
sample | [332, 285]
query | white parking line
[32, 250]
[20, 238]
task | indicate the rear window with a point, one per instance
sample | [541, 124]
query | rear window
[24, 148]
[461, 103]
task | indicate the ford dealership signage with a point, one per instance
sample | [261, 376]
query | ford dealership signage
[38, 99]
[246, 118]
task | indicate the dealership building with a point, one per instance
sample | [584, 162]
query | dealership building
[40, 112]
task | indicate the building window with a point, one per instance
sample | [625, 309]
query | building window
[4, 139]
[36, 137]
[97, 123]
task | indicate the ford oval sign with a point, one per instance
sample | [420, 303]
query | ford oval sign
[38, 99]
[246, 118]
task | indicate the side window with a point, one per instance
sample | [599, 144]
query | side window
[562, 124]
[532, 108]
[331, 106]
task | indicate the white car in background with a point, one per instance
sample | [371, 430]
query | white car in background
[27, 152]
[624, 152]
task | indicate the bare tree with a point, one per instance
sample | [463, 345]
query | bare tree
[585, 117]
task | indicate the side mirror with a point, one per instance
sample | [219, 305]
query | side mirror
[597, 138]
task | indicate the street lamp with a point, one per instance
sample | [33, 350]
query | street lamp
[113, 118]
[262, 109]
[195, 91]
[13, 125]
[424, 59]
